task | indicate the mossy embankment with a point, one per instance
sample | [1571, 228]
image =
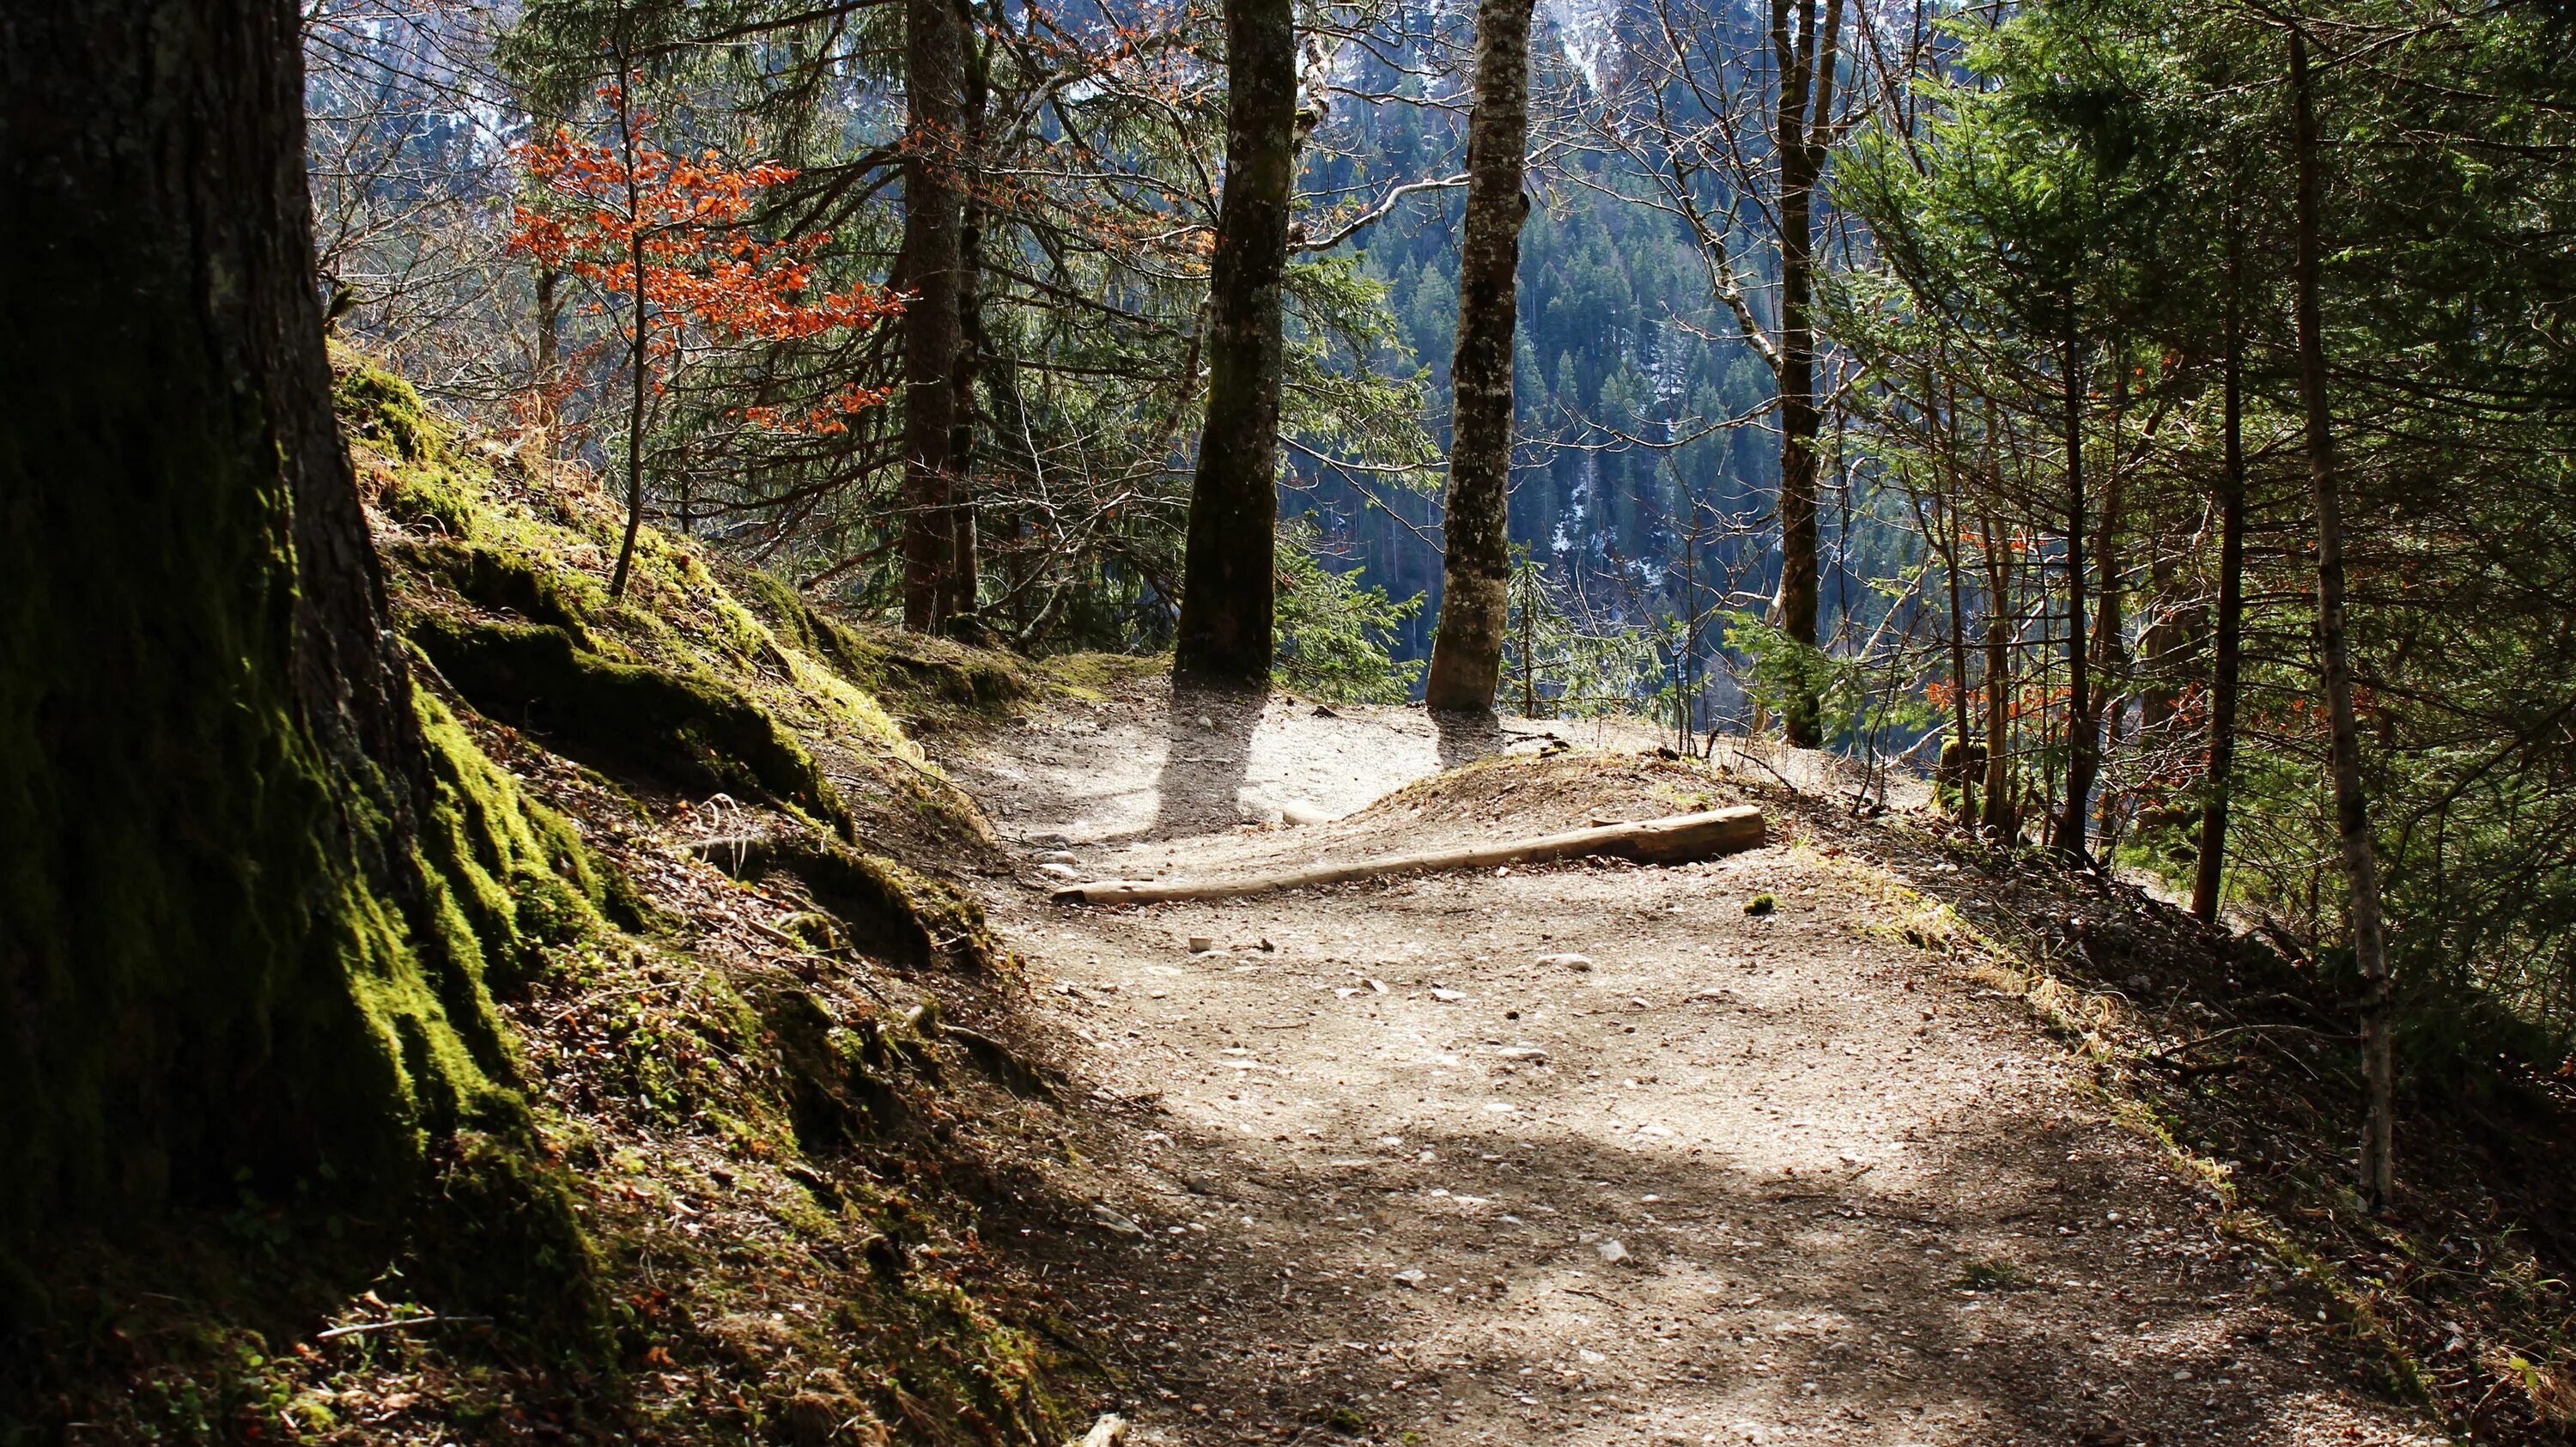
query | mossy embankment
[730, 1060]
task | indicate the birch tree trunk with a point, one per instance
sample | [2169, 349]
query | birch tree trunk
[1467, 654]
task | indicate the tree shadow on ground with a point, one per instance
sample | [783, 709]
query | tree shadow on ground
[1207, 757]
[1467, 735]
[1921, 1327]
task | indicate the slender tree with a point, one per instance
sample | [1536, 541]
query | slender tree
[2227, 648]
[1467, 654]
[2334, 660]
[928, 270]
[1808, 57]
[1228, 582]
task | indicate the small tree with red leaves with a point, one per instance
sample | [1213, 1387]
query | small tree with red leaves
[664, 239]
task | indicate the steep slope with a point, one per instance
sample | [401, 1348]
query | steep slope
[761, 1056]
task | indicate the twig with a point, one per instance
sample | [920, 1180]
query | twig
[364, 1327]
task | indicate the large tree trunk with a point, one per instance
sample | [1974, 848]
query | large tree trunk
[2334, 662]
[1228, 579]
[2210, 872]
[210, 767]
[1467, 654]
[1806, 61]
[934, 46]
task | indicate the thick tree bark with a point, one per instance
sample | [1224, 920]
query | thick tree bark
[1806, 58]
[2210, 871]
[210, 766]
[1467, 654]
[927, 267]
[2334, 661]
[1228, 579]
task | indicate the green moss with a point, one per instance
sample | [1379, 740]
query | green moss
[241, 909]
[928, 680]
[1093, 675]
[430, 498]
[379, 407]
[499, 1237]
[695, 733]
[510, 580]
[513, 876]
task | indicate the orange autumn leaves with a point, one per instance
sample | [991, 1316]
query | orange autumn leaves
[638, 222]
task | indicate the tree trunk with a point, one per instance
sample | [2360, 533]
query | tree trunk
[963, 578]
[1467, 654]
[2334, 662]
[2209, 873]
[2110, 627]
[1960, 736]
[2082, 742]
[934, 46]
[210, 767]
[1228, 576]
[2000, 819]
[549, 325]
[1806, 62]
[639, 355]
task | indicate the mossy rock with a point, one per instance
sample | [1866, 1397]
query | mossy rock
[694, 733]
[886, 910]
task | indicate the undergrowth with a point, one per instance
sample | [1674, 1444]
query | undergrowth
[2240, 1064]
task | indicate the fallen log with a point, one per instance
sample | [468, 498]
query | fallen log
[1672, 840]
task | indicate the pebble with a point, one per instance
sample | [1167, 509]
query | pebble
[1412, 1276]
[1611, 1251]
[1567, 961]
[1057, 870]
[1115, 1219]
[1449, 996]
[1201, 944]
[1057, 856]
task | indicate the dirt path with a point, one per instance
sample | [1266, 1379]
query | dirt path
[1383, 1161]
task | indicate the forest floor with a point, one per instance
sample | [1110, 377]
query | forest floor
[1589, 1153]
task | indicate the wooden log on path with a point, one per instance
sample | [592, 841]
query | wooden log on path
[1675, 839]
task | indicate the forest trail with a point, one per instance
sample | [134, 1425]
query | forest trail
[1376, 1165]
